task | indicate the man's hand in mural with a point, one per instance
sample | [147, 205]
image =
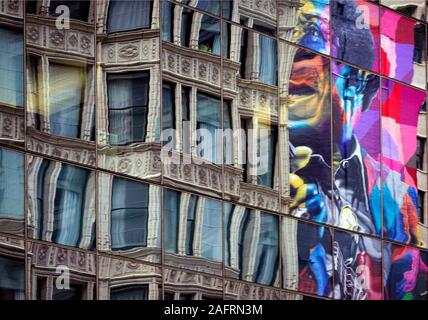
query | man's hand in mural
[305, 190]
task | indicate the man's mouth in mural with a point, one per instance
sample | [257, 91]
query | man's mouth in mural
[303, 82]
[301, 90]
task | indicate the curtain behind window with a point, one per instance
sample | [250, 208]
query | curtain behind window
[66, 90]
[186, 27]
[11, 279]
[266, 152]
[69, 205]
[228, 209]
[11, 184]
[185, 118]
[210, 35]
[168, 112]
[211, 242]
[129, 214]
[208, 120]
[11, 67]
[266, 264]
[267, 70]
[167, 12]
[226, 40]
[190, 224]
[171, 210]
[227, 7]
[211, 6]
[128, 98]
[129, 15]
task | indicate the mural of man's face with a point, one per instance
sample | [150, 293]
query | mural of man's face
[309, 90]
[312, 28]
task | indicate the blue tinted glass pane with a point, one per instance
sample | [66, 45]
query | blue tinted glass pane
[11, 67]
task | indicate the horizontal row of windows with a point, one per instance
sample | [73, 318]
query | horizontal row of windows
[48, 285]
[80, 9]
[200, 234]
[353, 266]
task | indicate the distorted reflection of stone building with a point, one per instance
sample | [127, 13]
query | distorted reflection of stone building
[213, 149]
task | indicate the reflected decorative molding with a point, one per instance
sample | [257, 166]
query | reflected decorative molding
[115, 273]
[186, 280]
[200, 68]
[11, 246]
[12, 8]
[198, 264]
[67, 149]
[50, 256]
[259, 196]
[258, 99]
[143, 50]
[287, 13]
[206, 176]
[245, 291]
[70, 41]
[112, 268]
[141, 161]
[262, 10]
[11, 124]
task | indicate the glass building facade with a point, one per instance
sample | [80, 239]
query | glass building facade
[202, 150]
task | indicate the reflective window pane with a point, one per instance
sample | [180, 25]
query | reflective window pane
[210, 35]
[167, 20]
[309, 26]
[355, 32]
[358, 267]
[129, 15]
[129, 293]
[193, 232]
[309, 114]
[66, 89]
[129, 218]
[128, 106]
[400, 114]
[61, 205]
[356, 133]
[403, 48]
[307, 257]
[11, 192]
[11, 67]
[405, 273]
[11, 279]
[77, 9]
[208, 124]
[251, 245]
[129, 214]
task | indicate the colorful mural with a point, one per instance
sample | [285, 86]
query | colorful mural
[358, 267]
[403, 43]
[355, 32]
[405, 273]
[309, 113]
[400, 110]
[356, 149]
[312, 27]
[349, 153]
[315, 261]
